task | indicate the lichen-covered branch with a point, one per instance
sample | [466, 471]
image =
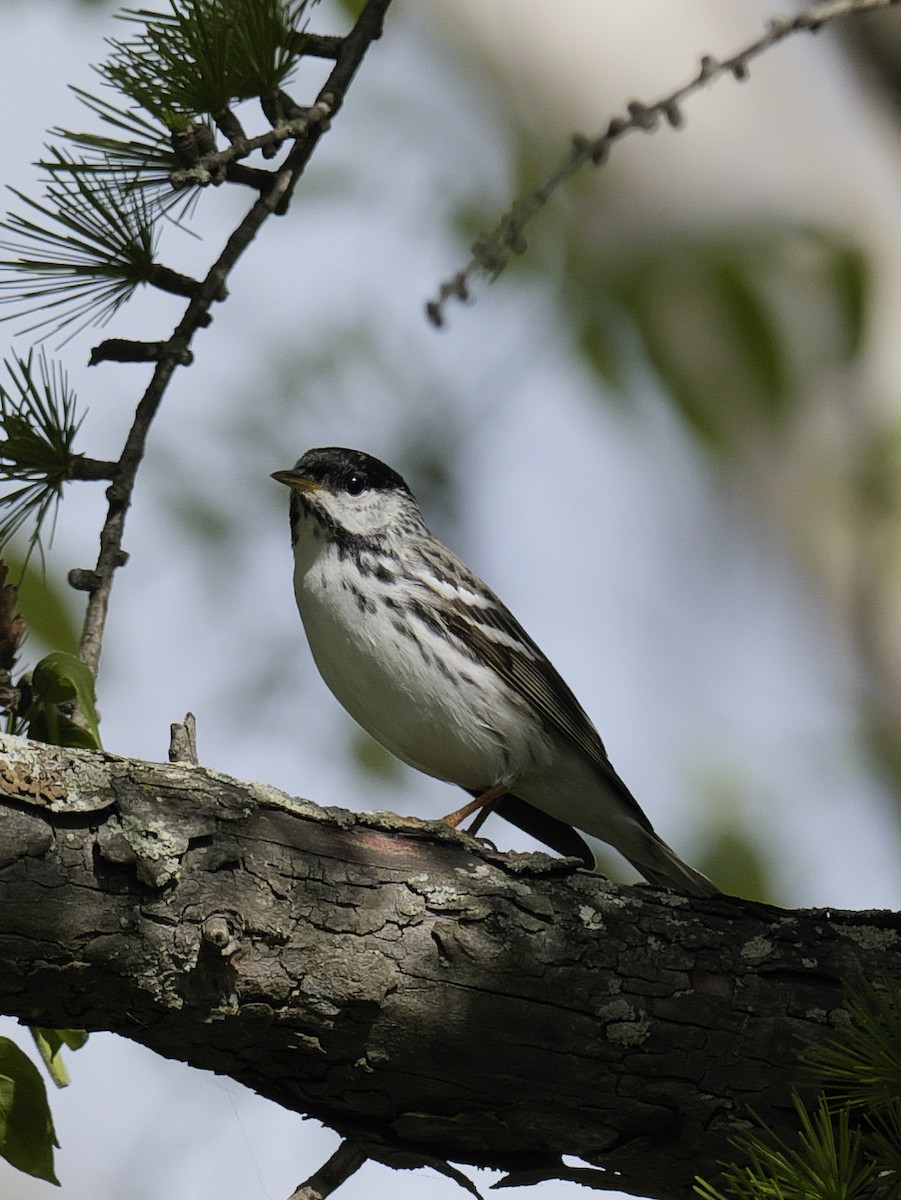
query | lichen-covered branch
[426, 996]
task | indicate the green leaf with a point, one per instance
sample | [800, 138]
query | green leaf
[27, 1137]
[50, 1043]
[61, 678]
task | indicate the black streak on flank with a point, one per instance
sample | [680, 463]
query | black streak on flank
[364, 604]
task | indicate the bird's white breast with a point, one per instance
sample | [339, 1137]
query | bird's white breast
[403, 681]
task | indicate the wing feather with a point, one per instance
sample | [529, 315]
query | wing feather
[486, 629]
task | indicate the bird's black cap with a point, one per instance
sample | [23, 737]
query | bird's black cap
[331, 466]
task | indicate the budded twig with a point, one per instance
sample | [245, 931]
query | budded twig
[492, 253]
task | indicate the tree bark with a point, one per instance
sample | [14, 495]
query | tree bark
[407, 985]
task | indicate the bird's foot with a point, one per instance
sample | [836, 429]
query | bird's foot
[487, 802]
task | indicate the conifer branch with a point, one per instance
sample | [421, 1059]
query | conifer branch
[37, 417]
[172, 353]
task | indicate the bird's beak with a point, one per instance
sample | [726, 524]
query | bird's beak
[297, 481]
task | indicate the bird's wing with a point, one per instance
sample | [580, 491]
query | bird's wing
[487, 629]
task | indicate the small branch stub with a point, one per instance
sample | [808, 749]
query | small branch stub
[126, 350]
[84, 580]
[183, 741]
[91, 470]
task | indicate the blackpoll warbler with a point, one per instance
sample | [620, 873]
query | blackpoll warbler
[431, 663]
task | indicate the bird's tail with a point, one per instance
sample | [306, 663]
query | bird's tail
[663, 867]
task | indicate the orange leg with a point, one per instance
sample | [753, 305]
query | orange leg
[487, 802]
[484, 813]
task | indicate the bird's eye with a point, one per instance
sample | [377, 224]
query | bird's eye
[355, 484]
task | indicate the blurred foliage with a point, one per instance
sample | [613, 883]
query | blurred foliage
[737, 325]
[875, 42]
[734, 863]
[373, 759]
[880, 730]
[878, 476]
[47, 604]
[728, 853]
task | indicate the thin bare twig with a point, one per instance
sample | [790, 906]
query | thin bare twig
[367, 29]
[347, 1159]
[492, 253]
